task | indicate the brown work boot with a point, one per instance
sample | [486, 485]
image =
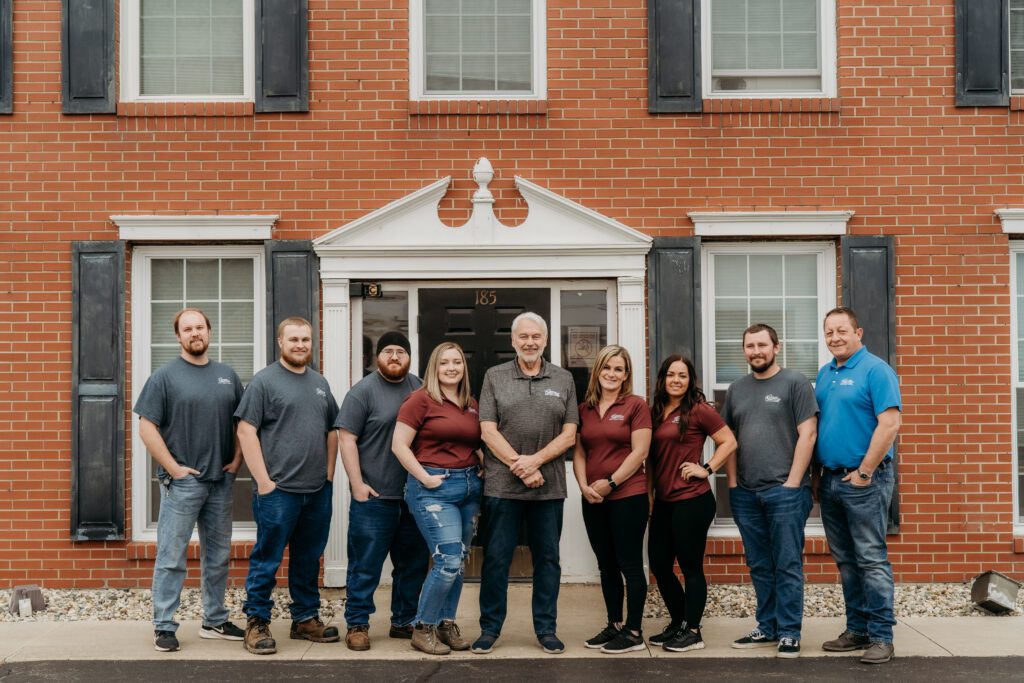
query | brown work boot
[877, 653]
[258, 639]
[448, 633]
[424, 639]
[846, 642]
[358, 638]
[314, 629]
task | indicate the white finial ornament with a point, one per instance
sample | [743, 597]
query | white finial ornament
[483, 173]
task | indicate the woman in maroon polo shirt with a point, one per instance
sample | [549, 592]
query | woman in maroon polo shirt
[437, 440]
[612, 444]
[684, 506]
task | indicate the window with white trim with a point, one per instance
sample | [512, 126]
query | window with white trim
[759, 48]
[477, 49]
[227, 283]
[1017, 318]
[789, 286]
[187, 50]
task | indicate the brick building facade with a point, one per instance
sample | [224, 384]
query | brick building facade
[744, 202]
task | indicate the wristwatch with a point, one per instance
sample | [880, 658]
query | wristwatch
[611, 484]
[707, 468]
[863, 477]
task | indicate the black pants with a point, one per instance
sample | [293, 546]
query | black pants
[616, 532]
[679, 531]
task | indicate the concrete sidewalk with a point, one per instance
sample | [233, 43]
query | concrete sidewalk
[580, 616]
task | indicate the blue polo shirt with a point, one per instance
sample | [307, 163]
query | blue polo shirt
[850, 398]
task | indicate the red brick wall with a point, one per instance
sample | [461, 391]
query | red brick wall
[891, 147]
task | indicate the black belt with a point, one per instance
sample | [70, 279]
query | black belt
[846, 470]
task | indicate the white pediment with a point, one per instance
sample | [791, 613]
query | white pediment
[407, 237]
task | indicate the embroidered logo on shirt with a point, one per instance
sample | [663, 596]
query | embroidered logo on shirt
[223, 380]
[473, 410]
[616, 418]
[552, 392]
[675, 420]
[772, 398]
[846, 382]
[321, 392]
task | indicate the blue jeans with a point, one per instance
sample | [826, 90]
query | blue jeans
[447, 517]
[501, 520]
[855, 520]
[183, 503]
[771, 523]
[300, 521]
[377, 528]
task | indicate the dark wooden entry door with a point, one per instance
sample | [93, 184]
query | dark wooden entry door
[480, 321]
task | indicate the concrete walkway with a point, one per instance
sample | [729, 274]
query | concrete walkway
[581, 615]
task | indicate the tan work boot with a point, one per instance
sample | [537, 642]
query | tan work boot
[424, 639]
[314, 629]
[877, 653]
[258, 639]
[448, 633]
[358, 638]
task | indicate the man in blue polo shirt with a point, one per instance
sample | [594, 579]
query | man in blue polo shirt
[859, 399]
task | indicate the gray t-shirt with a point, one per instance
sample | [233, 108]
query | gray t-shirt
[530, 412]
[368, 412]
[764, 414]
[292, 413]
[193, 408]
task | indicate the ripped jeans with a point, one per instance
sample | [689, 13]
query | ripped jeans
[447, 517]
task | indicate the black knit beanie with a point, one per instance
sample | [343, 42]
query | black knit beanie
[393, 339]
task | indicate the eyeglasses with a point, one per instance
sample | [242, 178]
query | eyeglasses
[398, 353]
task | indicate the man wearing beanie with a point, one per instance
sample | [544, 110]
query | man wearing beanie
[379, 521]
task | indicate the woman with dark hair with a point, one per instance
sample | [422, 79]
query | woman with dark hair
[683, 505]
[613, 440]
[437, 440]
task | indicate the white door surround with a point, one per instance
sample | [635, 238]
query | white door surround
[406, 240]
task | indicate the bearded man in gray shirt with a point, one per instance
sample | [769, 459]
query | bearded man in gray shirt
[773, 413]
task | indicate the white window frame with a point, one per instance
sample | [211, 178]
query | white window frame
[826, 253]
[1016, 247]
[130, 58]
[827, 48]
[141, 286]
[417, 60]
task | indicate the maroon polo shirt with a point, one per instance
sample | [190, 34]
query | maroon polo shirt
[607, 441]
[668, 453]
[446, 435]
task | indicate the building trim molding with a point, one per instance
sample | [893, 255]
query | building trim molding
[769, 223]
[192, 228]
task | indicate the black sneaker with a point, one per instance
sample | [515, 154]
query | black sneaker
[226, 631]
[165, 641]
[484, 644]
[686, 641]
[625, 641]
[754, 639]
[550, 643]
[604, 637]
[789, 648]
[671, 631]
[402, 632]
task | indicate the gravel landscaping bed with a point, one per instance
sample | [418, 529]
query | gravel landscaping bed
[821, 600]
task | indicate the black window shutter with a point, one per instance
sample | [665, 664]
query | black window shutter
[982, 53]
[869, 288]
[673, 300]
[6, 57]
[282, 64]
[293, 288]
[673, 81]
[87, 57]
[97, 391]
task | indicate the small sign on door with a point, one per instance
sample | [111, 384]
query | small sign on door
[584, 343]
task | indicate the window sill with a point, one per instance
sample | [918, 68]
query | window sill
[477, 107]
[146, 551]
[769, 105]
[166, 109]
[724, 546]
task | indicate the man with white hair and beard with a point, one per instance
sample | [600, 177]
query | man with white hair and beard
[379, 521]
[528, 421]
[186, 421]
[286, 430]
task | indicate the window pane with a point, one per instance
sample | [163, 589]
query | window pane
[167, 278]
[765, 275]
[800, 15]
[240, 358]
[767, 311]
[801, 319]
[236, 278]
[202, 279]
[389, 313]
[802, 357]
[801, 275]
[584, 330]
[236, 323]
[730, 363]
[731, 275]
[730, 319]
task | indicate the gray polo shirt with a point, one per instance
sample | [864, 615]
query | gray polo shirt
[530, 412]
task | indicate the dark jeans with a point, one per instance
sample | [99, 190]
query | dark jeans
[377, 528]
[447, 517]
[771, 523]
[501, 520]
[855, 520]
[616, 532]
[300, 521]
[679, 531]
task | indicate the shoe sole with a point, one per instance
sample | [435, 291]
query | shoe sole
[481, 650]
[216, 635]
[594, 647]
[853, 648]
[552, 652]
[787, 655]
[357, 648]
[876, 661]
[695, 646]
[399, 635]
[314, 639]
[751, 646]
[633, 648]
[165, 649]
[261, 651]
[439, 653]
